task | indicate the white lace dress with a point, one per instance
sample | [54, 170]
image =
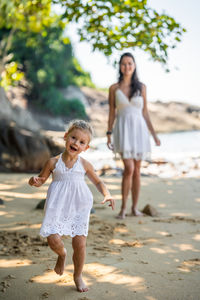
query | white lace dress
[130, 133]
[68, 203]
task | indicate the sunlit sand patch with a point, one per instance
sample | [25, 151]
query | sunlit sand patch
[118, 197]
[51, 277]
[122, 243]
[196, 237]
[23, 195]
[190, 265]
[180, 214]
[186, 247]
[24, 226]
[163, 233]
[116, 242]
[7, 186]
[3, 213]
[110, 274]
[150, 241]
[121, 230]
[4, 263]
[170, 192]
[12, 214]
[150, 298]
[162, 205]
[165, 250]
[35, 226]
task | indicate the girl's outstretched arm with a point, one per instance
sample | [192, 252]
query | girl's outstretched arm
[44, 174]
[94, 178]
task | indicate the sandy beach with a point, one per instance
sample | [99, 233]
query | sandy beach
[142, 258]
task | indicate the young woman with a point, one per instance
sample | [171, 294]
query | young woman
[129, 122]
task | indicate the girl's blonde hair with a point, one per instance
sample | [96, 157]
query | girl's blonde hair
[82, 125]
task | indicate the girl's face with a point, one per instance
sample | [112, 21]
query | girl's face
[127, 66]
[77, 140]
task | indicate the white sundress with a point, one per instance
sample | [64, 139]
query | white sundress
[68, 203]
[130, 134]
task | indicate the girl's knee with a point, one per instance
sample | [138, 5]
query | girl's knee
[79, 242]
[53, 240]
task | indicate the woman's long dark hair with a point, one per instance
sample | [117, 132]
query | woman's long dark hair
[136, 85]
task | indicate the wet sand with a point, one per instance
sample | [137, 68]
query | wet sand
[142, 258]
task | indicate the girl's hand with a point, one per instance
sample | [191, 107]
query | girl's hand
[157, 141]
[109, 199]
[36, 181]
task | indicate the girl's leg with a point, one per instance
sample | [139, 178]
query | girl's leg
[126, 185]
[79, 247]
[56, 244]
[136, 187]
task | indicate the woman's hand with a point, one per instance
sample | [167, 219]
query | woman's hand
[109, 143]
[157, 141]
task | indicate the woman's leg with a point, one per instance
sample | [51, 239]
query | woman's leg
[56, 244]
[79, 247]
[136, 187]
[126, 184]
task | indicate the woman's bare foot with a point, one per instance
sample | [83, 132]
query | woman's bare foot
[136, 212]
[80, 285]
[60, 264]
[122, 214]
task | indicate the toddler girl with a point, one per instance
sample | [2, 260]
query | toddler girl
[69, 200]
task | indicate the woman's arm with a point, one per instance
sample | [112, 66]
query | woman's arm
[98, 183]
[147, 117]
[44, 174]
[112, 113]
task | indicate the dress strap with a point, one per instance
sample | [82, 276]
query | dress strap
[80, 164]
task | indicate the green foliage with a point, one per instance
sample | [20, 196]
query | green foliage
[49, 65]
[121, 24]
[58, 105]
[27, 16]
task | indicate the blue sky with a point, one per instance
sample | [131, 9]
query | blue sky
[183, 81]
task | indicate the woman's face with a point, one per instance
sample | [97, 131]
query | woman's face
[127, 66]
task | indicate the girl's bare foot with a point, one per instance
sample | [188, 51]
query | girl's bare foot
[136, 212]
[80, 285]
[60, 264]
[122, 214]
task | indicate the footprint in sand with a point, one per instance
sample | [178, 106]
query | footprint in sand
[45, 295]
[190, 265]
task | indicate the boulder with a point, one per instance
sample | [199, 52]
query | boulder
[150, 211]
[41, 204]
[21, 116]
[22, 150]
[1, 202]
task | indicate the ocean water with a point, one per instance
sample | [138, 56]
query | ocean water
[177, 146]
[180, 151]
